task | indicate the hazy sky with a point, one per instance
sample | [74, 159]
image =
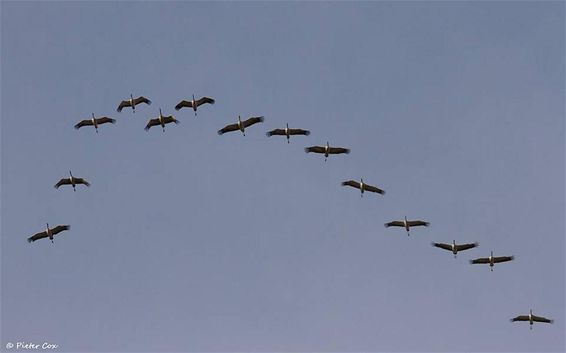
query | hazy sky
[190, 241]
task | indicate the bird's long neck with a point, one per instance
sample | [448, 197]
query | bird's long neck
[71, 174]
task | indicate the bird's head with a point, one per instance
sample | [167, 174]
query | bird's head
[405, 218]
[454, 242]
[160, 115]
[71, 174]
[287, 125]
[92, 116]
[47, 224]
[193, 97]
[131, 97]
[361, 180]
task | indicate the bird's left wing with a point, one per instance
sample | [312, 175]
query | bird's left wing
[338, 150]
[142, 99]
[204, 100]
[82, 181]
[466, 246]
[542, 319]
[503, 259]
[105, 119]
[60, 228]
[394, 224]
[83, 123]
[520, 318]
[252, 120]
[299, 132]
[374, 189]
[417, 223]
[481, 260]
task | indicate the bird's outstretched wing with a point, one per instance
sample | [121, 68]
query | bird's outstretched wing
[299, 132]
[462, 247]
[443, 246]
[417, 223]
[184, 104]
[83, 123]
[65, 181]
[142, 99]
[374, 189]
[228, 128]
[104, 120]
[60, 228]
[150, 123]
[204, 100]
[481, 260]
[122, 105]
[277, 132]
[37, 236]
[503, 259]
[520, 318]
[351, 183]
[542, 319]
[252, 120]
[81, 181]
[338, 150]
[315, 149]
[394, 224]
[170, 119]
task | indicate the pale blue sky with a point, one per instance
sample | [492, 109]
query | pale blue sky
[190, 241]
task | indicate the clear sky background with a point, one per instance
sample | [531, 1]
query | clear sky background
[190, 241]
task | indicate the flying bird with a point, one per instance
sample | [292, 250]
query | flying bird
[71, 181]
[194, 103]
[161, 120]
[288, 132]
[532, 319]
[49, 233]
[363, 187]
[406, 224]
[327, 150]
[132, 103]
[241, 125]
[455, 247]
[492, 260]
[95, 122]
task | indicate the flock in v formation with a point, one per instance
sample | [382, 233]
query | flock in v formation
[240, 125]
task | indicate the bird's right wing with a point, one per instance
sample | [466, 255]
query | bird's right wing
[65, 181]
[520, 318]
[443, 246]
[184, 104]
[351, 183]
[315, 149]
[394, 224]
[37, 236]
[122, 105]
[83, 123]
[278, 132]
[481, 260]
[150, 123]
[466, 246]
[228, 128]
